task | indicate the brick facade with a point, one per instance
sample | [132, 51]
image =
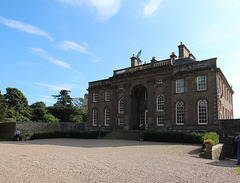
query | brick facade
[169, 95]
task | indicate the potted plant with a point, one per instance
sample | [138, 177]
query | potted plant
[27, 136]
[208, 143]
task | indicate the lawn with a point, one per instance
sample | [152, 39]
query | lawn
[238, 170]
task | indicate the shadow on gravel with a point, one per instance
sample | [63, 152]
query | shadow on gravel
[224, 163]
[95, 143]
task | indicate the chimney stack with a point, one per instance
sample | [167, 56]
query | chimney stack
[134, 61]
[184, 52]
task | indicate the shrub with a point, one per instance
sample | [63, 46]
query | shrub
[212, 136]
[69, 134]
[180, 137]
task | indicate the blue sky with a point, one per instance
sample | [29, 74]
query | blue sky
[47, 45]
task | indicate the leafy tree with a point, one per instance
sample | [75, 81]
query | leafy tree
[63, 98]
[17, 105]
[82, 105]
[3, 108]
[63, 109]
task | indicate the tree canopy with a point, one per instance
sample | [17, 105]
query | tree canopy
[14, 107]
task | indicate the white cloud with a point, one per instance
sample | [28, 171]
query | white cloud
[104, 8]
[46, 99]
[70, 45]
[58, 87]
[24, 27]
[42, 53]
[150, 7]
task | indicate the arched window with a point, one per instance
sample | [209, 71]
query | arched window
[121, 106]
[94, 117]
[202, 112]
[107, 117]
[180, 113]
[160, 103]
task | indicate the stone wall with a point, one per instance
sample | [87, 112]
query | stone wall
[228, 129]
[7, 130]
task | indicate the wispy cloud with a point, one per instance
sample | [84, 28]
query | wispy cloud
[43, 54]
[150, 7]
[58, 87]
[24, 27]
[70, 45]
[46, 99]
[104, 8]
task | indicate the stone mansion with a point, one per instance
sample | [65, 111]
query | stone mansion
[175, 94]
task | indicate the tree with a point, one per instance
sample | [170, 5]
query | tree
[82, 105]
[63, 109]
[63, 98]
[3, 108]
[18, 108]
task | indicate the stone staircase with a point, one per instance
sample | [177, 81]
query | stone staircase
[124, 135]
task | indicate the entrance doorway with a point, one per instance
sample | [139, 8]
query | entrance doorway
[139, 112]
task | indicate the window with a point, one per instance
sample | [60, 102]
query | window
[121, 106]
[180, 113]
[160, 120]
[95, 116]
[95, 97]
[201, 83]
[146, 117]
[107, 95]
[120, 121]
[160, 103]
[202, 112]
[107, 116]
[180, 86]
[146, 95]
[160, 81]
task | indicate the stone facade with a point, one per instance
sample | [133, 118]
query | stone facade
[176, 94]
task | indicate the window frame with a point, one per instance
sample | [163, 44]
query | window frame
[107, 118]
[95, 97]
[180, 86]
[107, 95]
[158, 118]
[180, 113]
[201, 114]
[121, 106]
[201, 83]
[120, 123]
[160, 103]
[94, 117]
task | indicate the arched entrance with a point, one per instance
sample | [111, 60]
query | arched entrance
[139, 109]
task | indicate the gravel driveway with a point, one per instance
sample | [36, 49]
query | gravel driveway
[80, 160]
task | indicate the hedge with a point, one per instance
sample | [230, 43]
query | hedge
[180, 137]
[69, 134]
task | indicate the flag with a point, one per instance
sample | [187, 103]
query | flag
[138, 56]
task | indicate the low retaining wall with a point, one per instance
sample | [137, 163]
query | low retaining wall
[7, 129]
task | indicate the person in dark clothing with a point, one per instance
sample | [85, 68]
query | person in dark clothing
[237, 140]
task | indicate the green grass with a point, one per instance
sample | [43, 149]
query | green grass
[5, 139]
[238, 169]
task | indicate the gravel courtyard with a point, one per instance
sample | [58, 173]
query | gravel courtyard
[80, 160]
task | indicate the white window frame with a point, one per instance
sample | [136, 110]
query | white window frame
[202, 112]
[107, 95]
[146, 117]
[121, 106]
[94, 117]
[201, 83]
[95, 97]
[180, 86]
[160, 103]
[120, 121]
[160, 120]
[107, 116]
[180, 113]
